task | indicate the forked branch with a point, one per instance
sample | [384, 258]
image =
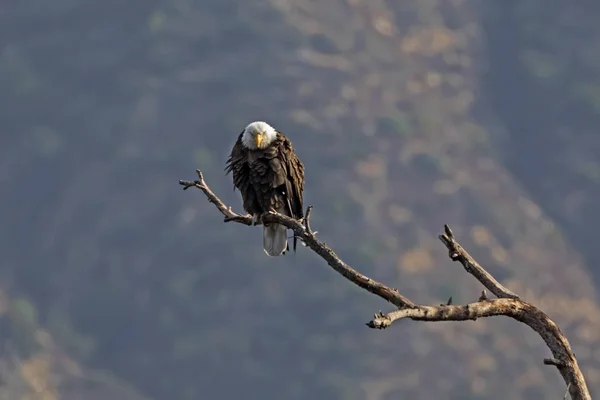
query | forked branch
[507, 303]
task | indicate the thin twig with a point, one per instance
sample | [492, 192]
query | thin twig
[508, 303]
[554, 361]
[483, 295]
[457, 253]
[227, 212]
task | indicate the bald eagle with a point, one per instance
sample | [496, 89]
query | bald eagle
[270, 177]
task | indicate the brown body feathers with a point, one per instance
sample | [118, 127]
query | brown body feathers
[269, 179]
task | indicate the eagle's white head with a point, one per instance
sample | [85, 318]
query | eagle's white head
[258, 135]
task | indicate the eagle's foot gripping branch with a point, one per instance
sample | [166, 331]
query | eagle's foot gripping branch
[306, 220]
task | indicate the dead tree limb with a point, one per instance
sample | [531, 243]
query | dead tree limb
[507, 303]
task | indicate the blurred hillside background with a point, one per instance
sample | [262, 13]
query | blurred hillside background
[115, 284]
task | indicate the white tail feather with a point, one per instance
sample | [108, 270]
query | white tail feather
[274, 239]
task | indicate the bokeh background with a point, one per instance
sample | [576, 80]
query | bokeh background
[115, 284]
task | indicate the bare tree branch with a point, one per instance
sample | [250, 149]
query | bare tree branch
[507, 304]
[457, 253]
[299, 228]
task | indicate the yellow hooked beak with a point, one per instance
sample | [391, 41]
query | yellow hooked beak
[259, 139]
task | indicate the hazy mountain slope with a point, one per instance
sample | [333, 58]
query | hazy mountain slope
[550, 108]
[108, 109]
[32, 366]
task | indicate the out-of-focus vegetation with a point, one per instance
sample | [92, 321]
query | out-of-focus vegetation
[407, 115]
